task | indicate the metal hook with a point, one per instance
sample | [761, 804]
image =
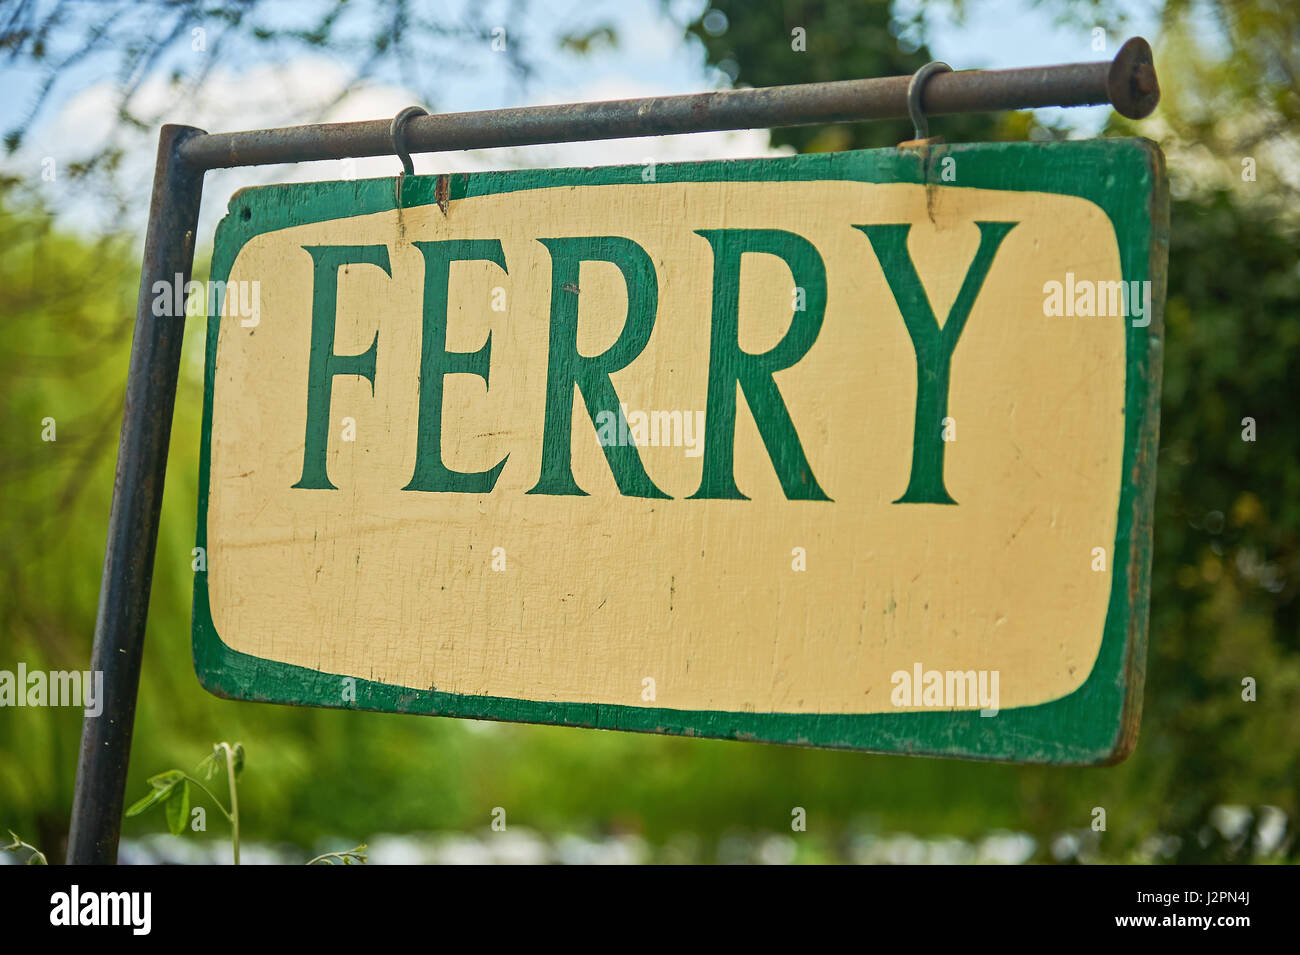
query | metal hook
[914, 91]
[397, 133]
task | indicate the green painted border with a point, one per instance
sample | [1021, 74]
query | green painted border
[1097, 723]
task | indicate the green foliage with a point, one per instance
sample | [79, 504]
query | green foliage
[171, 787]
[754, 44]
[67, 304]
[355, 856]
[589, 41]
[37, 857]
[1227, 561]
[171, 790]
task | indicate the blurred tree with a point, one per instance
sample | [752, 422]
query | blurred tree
[1229, 115]
[57, 48]
[134, 40]
[1227, 560]
[1227, 571]
[815, 41]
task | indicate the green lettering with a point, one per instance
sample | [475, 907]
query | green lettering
[567, 369]
[933, 345]
[323, 365]
[431, 474]
[729, 365]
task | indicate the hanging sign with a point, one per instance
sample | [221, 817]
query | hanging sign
[851, 450]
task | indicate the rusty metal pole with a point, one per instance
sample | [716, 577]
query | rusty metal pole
[1128, 83]
[137, 501]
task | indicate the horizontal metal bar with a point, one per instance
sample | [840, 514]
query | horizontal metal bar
[1128, 83]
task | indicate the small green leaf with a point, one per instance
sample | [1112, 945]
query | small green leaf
[209, 764]
[155, 796]
[355, 856]
[177, 808]
[37, 857]
[237, 757]
[166, 780]
[163, 785]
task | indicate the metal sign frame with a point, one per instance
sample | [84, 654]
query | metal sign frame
[185, 154]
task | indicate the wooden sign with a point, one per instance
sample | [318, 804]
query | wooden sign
[851, 450]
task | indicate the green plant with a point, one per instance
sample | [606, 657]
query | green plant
[37, 857]
[355, 856]
[171, 790]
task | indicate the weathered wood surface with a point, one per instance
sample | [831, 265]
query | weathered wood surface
[868, 450]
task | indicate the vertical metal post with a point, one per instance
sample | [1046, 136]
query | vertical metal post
[137, 501]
